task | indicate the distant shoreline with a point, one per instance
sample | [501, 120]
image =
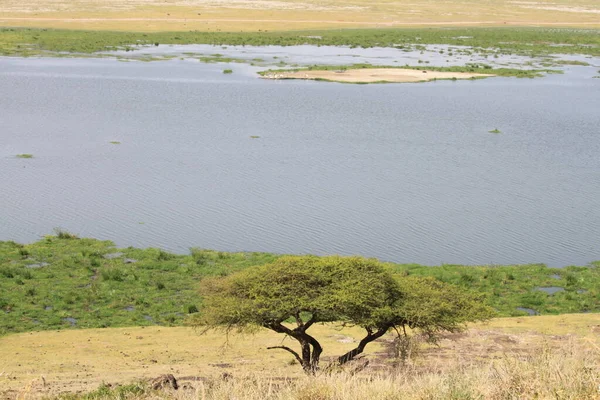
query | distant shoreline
[523, 41]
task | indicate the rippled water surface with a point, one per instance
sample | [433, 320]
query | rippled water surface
[402, 172]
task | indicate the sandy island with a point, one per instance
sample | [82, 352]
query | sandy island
[371, 75]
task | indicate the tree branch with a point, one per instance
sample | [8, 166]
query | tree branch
[298, 320]
[280, 328]
[310, 322]
[287, 349]
[371, 336]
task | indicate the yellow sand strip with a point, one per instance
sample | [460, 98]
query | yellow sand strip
[371, 75]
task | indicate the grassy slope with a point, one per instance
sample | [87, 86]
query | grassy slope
[524, 354]
[149, 286]
[529, 41]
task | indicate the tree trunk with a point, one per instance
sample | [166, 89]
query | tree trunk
[306, 357]
[311, 349]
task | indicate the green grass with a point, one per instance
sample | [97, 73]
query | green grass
[59, 277]
[44, 283]
[493, 41]
[25, 155]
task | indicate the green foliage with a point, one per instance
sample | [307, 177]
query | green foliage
[433, 306]
[324, 289]
[25, 155]
[228, 71]
[191, 309]
[62, 234]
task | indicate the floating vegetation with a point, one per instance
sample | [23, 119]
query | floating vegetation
[495, 131]
[254, 137]
[228, 71]
[572, 62]
[115, 142]
[25, 155]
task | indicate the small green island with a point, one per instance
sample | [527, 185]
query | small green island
[368, 73]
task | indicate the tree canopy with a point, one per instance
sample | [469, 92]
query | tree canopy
[293, 293]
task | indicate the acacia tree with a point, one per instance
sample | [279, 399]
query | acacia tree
[294, 293]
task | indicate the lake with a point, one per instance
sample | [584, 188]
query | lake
[401, 172]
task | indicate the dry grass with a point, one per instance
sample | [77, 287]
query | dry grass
[77, 360]
[254, 15]
[509, 355]
[571, 372]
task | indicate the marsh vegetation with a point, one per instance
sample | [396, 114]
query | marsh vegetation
[95, 284]
[525, 41]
